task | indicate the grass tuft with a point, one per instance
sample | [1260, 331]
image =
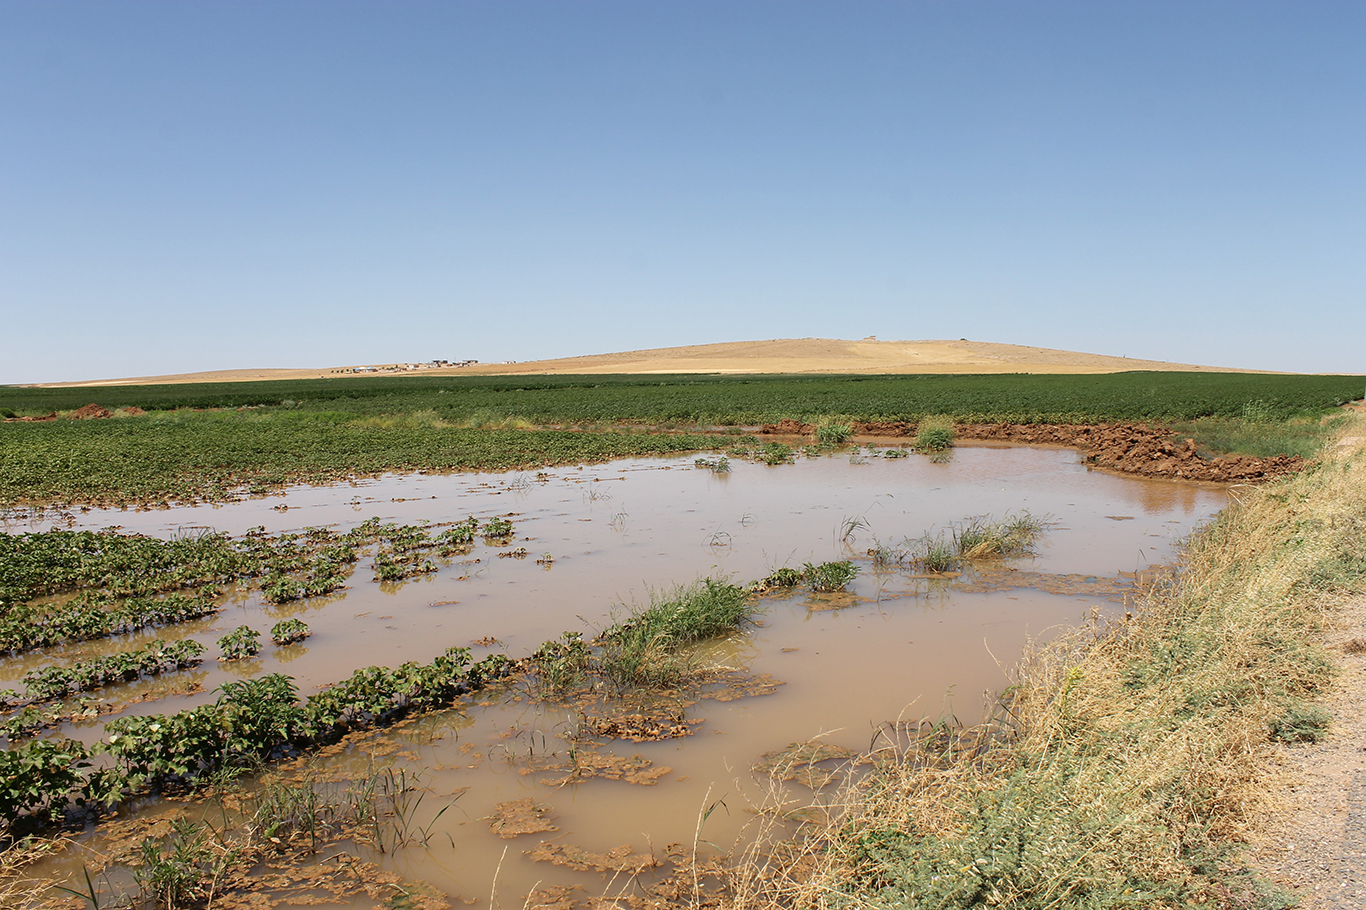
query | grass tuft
[934, 433]
[646, 648]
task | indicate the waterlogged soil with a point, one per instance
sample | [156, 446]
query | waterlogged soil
[1124, 447]
[586, 795]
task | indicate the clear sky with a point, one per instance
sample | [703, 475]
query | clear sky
[210, 185]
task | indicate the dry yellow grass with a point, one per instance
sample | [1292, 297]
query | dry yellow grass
[1127, 760]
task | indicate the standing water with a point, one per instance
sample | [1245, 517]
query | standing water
[600, 813]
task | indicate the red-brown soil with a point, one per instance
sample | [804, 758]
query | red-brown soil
[1124, 447]
[91, 411]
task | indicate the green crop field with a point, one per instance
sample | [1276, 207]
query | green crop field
[205, 441]
[732, 400]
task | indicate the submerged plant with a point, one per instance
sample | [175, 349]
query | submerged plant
[779, 578]
[775, 453]
[240, 643]
[497, 528]
[288, 631]
[151, 659]
[562, 663]
[718, 465]
[829, 576]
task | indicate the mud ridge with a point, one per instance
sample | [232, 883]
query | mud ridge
[1124, 447]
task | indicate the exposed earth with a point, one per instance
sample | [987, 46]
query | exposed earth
[783, 355]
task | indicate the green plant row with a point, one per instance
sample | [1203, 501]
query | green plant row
[159, 656]
[123, 575]
[252, 721]
[24, 627]
[263, 719]
[405, 551]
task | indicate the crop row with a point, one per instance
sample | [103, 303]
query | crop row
[122, 577]
[263, 719]
[24, 627]
[83, 676]
[252, 721]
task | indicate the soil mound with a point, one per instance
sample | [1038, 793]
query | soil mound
[1140, 449]
[787, 427]
[91, 411]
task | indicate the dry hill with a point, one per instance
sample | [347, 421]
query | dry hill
[784, 355]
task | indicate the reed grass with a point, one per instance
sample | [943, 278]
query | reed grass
[1128, 761]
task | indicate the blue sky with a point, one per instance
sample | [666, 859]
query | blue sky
[207, 185]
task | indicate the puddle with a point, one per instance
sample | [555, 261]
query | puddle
[578, 802]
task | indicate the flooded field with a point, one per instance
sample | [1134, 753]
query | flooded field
[523, 793]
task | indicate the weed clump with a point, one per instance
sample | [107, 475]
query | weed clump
[645, 648]
[972, 539]
[829, 576]
[1300, 723]
[934, 434]
[834, 434]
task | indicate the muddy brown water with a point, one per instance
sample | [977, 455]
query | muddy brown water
[895, 647]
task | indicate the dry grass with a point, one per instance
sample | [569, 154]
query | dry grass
[17, 888]
[1128, 761]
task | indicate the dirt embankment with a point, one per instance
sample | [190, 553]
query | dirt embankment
[1124, 447]
[90, 411]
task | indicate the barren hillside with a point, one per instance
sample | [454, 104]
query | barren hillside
[783, 355]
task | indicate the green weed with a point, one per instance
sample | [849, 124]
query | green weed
[1300, 723]
[934, 433]
[829, 576]
[834, 434]
[645, 648]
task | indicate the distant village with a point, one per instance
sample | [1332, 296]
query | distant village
[414, 367]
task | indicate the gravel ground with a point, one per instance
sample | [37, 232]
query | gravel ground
[1316, 849]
